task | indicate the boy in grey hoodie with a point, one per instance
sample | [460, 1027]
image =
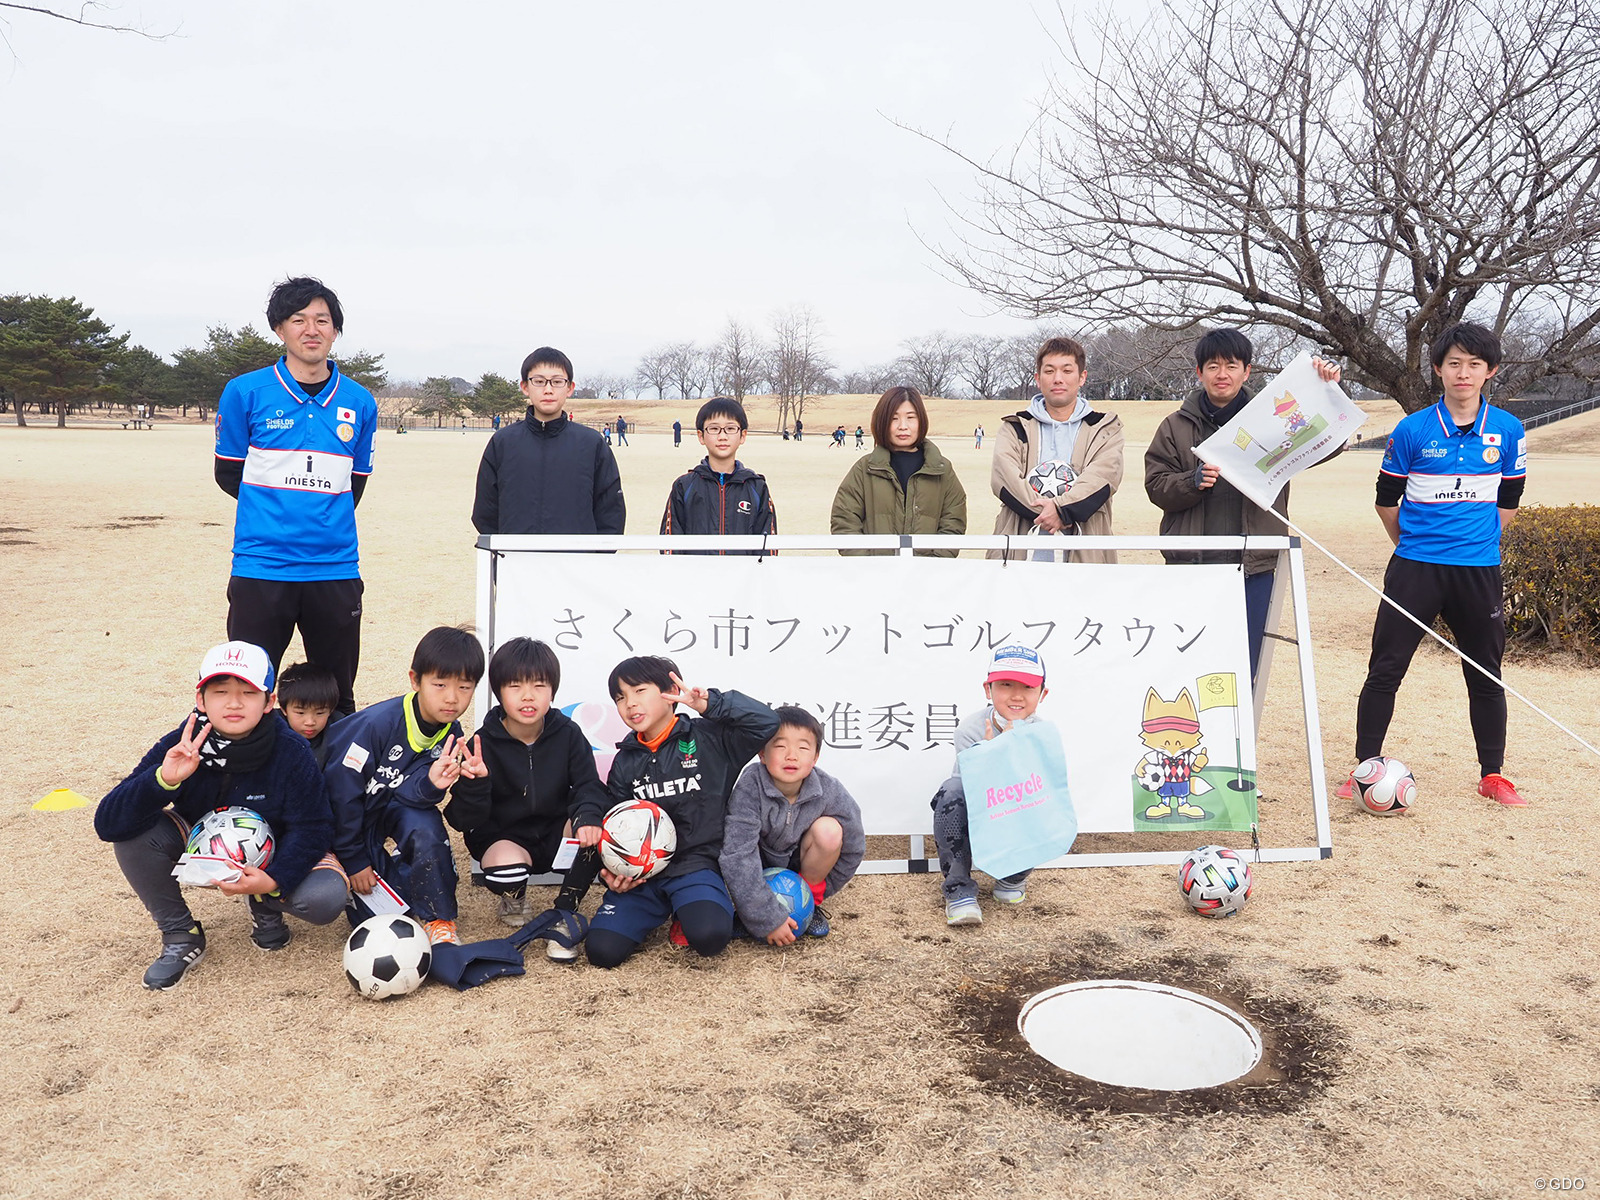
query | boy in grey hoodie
[783, 812]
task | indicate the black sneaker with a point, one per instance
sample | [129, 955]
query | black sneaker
[179, 952]
[268, 929]
[818, 925]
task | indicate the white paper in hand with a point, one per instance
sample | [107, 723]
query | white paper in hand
[381, 900]
[1293, 423]
[205, 870]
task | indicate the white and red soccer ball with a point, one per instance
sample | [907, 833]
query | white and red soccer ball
[1385, 787]
[1215, 880]
[637, 839]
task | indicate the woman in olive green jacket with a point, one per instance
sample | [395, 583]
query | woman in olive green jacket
[905, 485]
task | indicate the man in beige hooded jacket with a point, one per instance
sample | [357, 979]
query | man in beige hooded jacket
[1057, 425]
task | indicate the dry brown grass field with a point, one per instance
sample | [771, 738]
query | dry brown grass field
[1429, 994]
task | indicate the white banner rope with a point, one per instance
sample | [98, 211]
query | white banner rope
[1477, 666]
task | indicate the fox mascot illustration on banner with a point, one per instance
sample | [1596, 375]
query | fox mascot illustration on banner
[1172, 767]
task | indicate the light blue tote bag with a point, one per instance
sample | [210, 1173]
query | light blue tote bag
[1019, 810]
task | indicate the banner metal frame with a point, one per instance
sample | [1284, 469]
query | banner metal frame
[1289, 581]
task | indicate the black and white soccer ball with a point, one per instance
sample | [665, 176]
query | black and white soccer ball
[1151, 776]
[1215, 880]
[387, 955]
[1052, 478]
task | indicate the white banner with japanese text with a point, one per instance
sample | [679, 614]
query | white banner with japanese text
[1147, 666]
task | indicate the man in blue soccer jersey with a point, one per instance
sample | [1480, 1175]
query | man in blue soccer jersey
[1451, 480]
[294, 445]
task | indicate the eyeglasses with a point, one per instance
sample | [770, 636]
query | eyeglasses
[539, 385]
[719, 430]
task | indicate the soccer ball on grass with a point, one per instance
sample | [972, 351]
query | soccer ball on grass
[387, 955]
[1215, 880]
[1385, 787]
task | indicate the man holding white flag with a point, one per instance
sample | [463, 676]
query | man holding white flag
[1189, 487]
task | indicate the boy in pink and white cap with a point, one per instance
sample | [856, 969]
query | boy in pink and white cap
[1014, 687]
[234, 749]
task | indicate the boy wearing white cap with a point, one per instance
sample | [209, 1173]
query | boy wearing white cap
[1014, 687]
[234, 749]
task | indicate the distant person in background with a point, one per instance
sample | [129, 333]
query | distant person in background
[977, 438]
[860, 437]
[622, 431]
[496, 423]
[294, 446]
[905, 485]
[677, 434]
[799, 428]
[605, 432]
[1058, 426]
[838, 437]
[547, 473]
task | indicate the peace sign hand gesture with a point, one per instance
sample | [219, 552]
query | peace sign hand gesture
[184, 757]
[472, 759]
[695, 698]
[446, 768]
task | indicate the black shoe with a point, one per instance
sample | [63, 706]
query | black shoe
[268, 929]
[818, 925]
[179, 952]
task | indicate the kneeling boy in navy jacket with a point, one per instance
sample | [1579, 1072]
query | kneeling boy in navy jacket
[242, 754]
[389, 766]
[687, 767]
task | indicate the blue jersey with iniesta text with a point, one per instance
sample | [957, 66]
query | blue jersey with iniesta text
[296, 518]
[1450, 513]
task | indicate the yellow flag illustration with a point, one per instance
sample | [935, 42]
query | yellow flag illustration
[1242, 440]
[1218, 691]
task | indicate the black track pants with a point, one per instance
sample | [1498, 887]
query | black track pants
[328, 612]
[1470, 599]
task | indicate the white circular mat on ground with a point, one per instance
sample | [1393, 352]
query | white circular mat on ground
[1129, 1033]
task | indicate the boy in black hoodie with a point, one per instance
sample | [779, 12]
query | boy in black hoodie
[233, 750]
[687, 767]
[538, 768]
[721, 495]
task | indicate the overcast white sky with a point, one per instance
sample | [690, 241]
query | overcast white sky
[475, 179]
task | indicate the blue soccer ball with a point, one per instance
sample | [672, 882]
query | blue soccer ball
[795, 893]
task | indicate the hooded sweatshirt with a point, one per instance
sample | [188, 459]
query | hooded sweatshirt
[530, 791]
[1057, 438]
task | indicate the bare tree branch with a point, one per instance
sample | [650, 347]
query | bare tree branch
[81, 19]
[1356, 173]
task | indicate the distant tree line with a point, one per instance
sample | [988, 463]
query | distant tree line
[56, 356]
